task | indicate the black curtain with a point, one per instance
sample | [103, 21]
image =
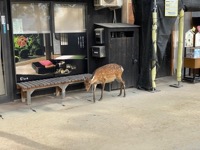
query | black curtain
[143, 17]
[143, 9]
[191, 5]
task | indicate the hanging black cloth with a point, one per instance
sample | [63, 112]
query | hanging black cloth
[191, 5]
[143, 17]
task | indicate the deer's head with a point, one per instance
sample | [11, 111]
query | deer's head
[87, 83]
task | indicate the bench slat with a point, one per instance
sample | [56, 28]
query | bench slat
[64, 80]
[22, 85]
[33, 83]
[42, 83]
[26, 84]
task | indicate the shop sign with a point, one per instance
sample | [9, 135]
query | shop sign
[171, 8]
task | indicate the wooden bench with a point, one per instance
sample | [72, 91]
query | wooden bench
[61, 83]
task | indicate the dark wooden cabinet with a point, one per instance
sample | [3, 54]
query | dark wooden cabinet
[121, 46]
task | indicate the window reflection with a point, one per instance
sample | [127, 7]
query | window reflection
[30, 18]
[31, 27]
[35, 42]
[69, 18]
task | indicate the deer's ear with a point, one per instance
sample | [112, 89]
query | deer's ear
[86, 80]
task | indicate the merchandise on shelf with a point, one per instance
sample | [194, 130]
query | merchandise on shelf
[189, 37]
[193, 53]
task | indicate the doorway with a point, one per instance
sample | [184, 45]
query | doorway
[49, 39]
[6, 80]
[2, 75]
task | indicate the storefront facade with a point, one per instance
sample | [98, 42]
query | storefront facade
[47, 33]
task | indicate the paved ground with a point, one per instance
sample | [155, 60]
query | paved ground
[165, 120]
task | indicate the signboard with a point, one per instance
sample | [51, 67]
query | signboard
[171, 8]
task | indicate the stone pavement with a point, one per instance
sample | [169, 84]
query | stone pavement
[164, 120]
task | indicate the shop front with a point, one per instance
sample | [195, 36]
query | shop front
[49, 39]
[45, 39]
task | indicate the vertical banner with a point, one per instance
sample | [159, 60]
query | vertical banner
[171, 8]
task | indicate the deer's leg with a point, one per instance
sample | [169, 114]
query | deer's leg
[120, 80]
[94, 89]
[124, 89]
[102, 89]
[120, 93]
[122, 85]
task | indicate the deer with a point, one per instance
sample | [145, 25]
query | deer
[105, 74]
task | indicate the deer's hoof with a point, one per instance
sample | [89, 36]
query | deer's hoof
[100, 99]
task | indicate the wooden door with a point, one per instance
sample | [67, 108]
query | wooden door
[122, 52]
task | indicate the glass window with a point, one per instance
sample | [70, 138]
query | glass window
[69, 18]
[30, 18]
[31, 30]
[40, 32]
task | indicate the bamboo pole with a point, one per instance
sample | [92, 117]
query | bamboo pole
[180, 47]
[154, 40]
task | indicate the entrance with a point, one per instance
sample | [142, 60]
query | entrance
[2, 78]
[6, 80]
[49, 39]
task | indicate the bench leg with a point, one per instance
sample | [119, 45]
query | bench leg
[28, 95]
[63, 88]
[23, 96]
[58, 91]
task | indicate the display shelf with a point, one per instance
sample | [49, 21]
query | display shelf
[191, 65]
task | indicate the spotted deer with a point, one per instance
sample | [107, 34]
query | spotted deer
[105, 74]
